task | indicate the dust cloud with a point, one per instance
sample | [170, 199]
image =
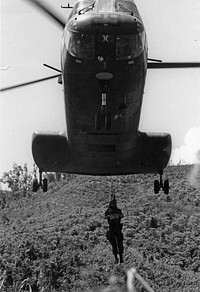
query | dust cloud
[194, 174]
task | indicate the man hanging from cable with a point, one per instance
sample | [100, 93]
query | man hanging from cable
[114, 234]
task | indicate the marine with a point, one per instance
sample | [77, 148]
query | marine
[114, 233]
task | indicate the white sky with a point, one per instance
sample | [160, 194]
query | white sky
[28, 39]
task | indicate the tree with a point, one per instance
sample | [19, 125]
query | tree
[19, 180]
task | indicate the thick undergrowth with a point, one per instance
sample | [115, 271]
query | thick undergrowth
[56, 241]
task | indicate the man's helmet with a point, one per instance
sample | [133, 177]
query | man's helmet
[113, 204]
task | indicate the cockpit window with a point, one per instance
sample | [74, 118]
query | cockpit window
[105, 6]
[129, 46]
[83, 6]
[80, 45]
[120, 47]
[126, 6]
[87, 8]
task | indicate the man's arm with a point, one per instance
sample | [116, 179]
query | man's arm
[106, 215]
[121, 215]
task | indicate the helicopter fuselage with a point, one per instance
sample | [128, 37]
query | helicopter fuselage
[104, 65]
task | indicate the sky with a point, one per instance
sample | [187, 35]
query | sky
[172, 96]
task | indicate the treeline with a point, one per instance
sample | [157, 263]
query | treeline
[19, 182]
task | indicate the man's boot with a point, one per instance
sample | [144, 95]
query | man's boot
[121, 258]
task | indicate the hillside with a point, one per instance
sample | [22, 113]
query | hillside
[55, 241]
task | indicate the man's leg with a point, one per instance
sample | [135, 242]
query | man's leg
[113, 241]
[120, 245]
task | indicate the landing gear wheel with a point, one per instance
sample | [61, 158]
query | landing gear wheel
[42, 183]
[45, 185]
[166, 187]
[156, 186]
[160, 185]
[35, 186]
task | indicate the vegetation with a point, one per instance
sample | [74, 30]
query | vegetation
[56, 241]
[19, 180]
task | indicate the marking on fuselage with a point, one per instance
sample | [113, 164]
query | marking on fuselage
[104, 76]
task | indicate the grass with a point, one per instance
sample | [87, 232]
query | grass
[55, 241]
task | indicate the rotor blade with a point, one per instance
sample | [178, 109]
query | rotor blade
[53, 68]
[28, 83]
[49, 11]
[155, 60]
[168, 65]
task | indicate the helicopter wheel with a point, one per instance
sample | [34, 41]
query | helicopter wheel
[45, 185]
[156, 186]
[166, 187]
[35, 186]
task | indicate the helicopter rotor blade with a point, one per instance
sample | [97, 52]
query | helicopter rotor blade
[171, 65]
[49, 11]
[28, 83]
[155, 60]
[53, 68]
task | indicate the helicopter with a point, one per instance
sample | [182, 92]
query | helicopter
[104, 61]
